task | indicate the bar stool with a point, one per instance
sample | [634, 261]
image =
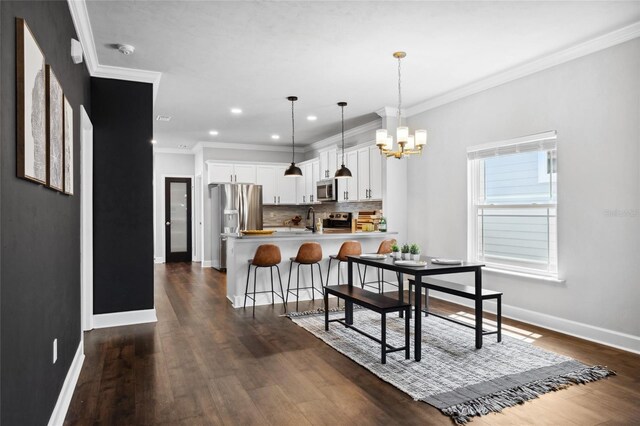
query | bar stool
[267, 256]
[308, 254]
[385, 248]
[348, 248]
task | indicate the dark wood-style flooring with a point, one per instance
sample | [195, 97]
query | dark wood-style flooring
[205, 363]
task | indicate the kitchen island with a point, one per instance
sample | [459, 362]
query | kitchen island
[241, 248]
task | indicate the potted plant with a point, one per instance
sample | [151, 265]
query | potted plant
[405, 252]
[395, 251]
[415, 251]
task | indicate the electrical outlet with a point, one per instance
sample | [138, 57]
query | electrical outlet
[55, 350]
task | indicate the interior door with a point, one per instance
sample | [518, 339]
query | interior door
[177, 219]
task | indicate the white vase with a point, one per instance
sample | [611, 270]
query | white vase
[415, 257]
[406, 256]
[395, 254]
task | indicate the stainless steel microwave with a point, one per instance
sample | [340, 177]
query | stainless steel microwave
[327, 190]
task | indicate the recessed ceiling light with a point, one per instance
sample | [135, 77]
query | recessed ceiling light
[312, 117]
[163, 118]
[275, 137]
[153, 141]
[236, 111]
[213, 132]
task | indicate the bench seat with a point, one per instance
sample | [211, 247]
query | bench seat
[373, 301]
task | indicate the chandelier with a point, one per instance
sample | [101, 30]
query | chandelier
[407, 144]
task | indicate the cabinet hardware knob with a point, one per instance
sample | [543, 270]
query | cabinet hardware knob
[168, 223]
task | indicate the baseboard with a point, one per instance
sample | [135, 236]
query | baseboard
[69, 385]
[265, 299]
[158, 259]
[206, 264]
[117, 319]
[588, 332]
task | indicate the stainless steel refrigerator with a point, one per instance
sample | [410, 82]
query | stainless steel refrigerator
[238, 207]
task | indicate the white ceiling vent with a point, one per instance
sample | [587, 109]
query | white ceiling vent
[163, 118]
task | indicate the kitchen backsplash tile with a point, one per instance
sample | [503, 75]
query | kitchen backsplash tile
[278, 215]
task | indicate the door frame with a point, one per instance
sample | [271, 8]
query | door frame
[163, 206]
[86, 220]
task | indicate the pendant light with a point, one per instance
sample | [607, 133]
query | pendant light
[293, 170]
[343, 172]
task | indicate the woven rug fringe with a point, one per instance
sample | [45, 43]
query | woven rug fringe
[462, 413]
[316, 311]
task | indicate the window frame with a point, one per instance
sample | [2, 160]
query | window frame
[542, 142]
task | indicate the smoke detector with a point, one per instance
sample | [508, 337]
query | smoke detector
[126, 49]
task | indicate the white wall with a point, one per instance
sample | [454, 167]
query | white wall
[168, 165]
[594, 104]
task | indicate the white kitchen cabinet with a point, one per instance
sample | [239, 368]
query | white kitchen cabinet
[369, 174]
[348, 188]
[276, 187]
[285, 186]
[266, 176]
[327, 163]
[244, 173]
[231, 173]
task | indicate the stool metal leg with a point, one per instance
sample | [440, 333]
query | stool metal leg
[321, 280]
[313, 286]
[246, 289]
[365, 277]
[273, 294]
[255, 272]
[281, 291]
[289, 281]
[298, 287]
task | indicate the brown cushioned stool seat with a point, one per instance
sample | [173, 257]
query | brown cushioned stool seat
[385, 248]
[348, 248]
[308, 254]
[266, 256]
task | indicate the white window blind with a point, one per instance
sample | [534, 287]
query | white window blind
[513, 204]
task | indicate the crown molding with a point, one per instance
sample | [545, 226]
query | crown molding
[80, 17]
[243, 146]
[586, 48]
[332, 140]
[389, 111]
[130, 74]
[173, 151]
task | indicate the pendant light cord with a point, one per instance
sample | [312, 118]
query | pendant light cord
[342, 108]
[293, 131]
[399, 94]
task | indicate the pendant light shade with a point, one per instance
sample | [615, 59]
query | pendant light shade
[342, 172]
[293, 170]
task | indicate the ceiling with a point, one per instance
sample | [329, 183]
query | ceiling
[216, 55]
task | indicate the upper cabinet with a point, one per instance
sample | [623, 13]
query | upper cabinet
[276, 187]
[306, 185]
[369, 174]
[231, 173]
[348, 188]
[327, 163]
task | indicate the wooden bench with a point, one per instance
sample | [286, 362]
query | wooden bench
[376, 302]
[460, 290]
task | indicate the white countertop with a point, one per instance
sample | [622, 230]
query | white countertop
[306, 235]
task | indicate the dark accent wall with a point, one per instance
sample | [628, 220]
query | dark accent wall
[40, 233]
[122, 116]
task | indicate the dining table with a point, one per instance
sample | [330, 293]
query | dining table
[427, 268]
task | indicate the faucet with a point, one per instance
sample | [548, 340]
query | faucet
[312, 212]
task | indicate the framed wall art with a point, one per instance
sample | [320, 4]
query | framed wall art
[31, 106]
[55, 132]
[68, 147]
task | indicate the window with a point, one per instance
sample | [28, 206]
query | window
[513, 205]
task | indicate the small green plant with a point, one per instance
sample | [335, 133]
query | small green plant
[405, 248]
[395, 248]
[414, 249]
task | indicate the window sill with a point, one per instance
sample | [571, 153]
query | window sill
[524, 275]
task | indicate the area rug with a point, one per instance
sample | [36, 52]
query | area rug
[453, 376]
